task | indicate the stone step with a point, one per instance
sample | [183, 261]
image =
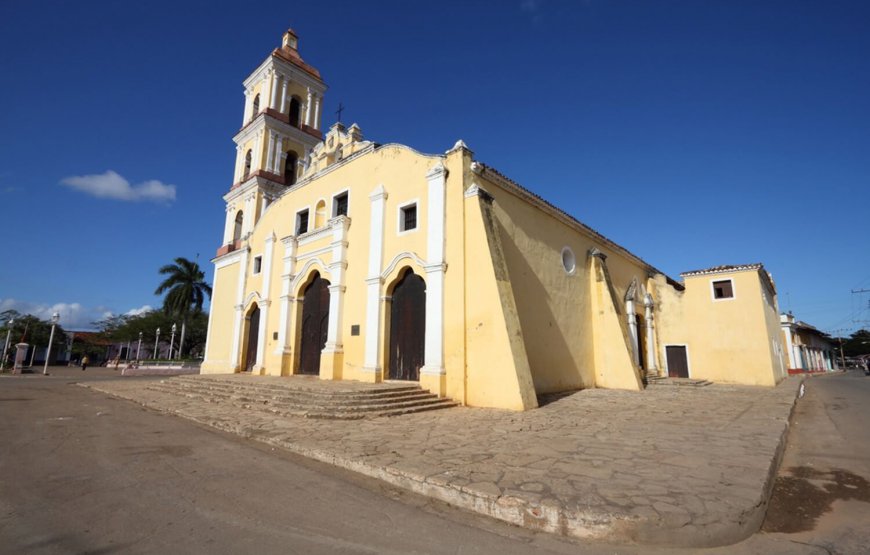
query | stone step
[290, 393]
[344, 403]
[333, 403]
[384, 389]
[683, 382]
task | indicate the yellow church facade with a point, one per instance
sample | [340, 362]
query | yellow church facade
[351, 260]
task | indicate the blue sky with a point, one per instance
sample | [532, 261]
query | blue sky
[693, 133]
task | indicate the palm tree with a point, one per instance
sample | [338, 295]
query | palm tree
[186, 290]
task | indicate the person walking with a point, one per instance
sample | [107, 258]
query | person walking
[85, 362]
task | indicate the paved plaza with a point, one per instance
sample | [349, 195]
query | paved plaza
[667, 466]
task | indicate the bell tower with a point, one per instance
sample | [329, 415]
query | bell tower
[280, 127]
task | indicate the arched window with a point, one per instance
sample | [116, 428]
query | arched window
[290, 165]
[237, 230]
[247, 165]
[295, 109]
[256, 109]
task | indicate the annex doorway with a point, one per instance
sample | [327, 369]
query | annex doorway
[407, 328]
[252, 339]
[315, 323]
[678, 361]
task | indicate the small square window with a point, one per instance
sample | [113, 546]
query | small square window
[409, 217]
[302, 222]
[723, 289]
[339, 205]
[258, 264]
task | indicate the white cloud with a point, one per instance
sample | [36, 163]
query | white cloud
[137, 311]
[113, 186]
[73, 316]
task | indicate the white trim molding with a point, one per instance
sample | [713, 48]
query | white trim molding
[375, 281]
[435, 268]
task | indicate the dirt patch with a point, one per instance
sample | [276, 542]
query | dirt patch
[802, 494]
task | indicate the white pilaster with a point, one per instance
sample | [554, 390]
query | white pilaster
[240, 161]
[316, 123]
[631, 320]
[279, 151]
[648, 305]
[337, 287]
[258, 152]
[283, 107]
[229, 225]
[308, 108]
[378, 199]
[249, 106]
[789, 346]
[435, 267]
[273, 98]
[240, 309]
[264, 89]
[214, 286]
[287, 276]
[265, 300]
[270, 154]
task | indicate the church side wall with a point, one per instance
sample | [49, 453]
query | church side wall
[554, 306]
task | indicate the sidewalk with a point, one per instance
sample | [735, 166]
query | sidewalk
[667, 466]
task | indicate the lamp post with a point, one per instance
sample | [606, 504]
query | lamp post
[6, 346]
[156, 339]
[171, 341]
[54, 319]
[139, 348]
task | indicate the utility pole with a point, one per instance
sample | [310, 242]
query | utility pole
[839, 333]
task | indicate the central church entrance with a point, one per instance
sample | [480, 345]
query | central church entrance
[315, 322]
[408, 328]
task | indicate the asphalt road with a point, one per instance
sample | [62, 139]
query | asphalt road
[81, 472]
[822, 493]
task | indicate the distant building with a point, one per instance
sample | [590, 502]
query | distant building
[809, 350]
[351, 260]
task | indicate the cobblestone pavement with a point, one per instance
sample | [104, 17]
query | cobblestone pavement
[667, 466]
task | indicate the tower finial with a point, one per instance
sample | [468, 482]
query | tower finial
[290, 40]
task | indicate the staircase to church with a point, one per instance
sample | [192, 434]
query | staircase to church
[306, 397]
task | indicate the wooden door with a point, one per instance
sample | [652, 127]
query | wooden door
[408, 328]
[315, 322]
[678, 361]
[253, 338]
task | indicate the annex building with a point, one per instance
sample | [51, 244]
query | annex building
[352, 260]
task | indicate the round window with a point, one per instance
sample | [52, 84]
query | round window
[569, 262]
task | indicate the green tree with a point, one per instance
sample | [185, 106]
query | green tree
[30, 329]
[185, 289]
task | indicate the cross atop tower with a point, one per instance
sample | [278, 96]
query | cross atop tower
[339, 111]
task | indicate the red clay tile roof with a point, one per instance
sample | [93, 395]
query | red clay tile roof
[292, 56]
[723, 268]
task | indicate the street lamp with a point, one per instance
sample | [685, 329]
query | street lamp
[54, 319]
[156, 339]
[139, 348]
[171, 341]
[6, 346]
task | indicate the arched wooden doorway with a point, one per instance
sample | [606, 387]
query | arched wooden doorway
[315, 322]
[407, 328]
[253, 338]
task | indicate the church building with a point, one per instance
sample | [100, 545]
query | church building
[352, 260]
